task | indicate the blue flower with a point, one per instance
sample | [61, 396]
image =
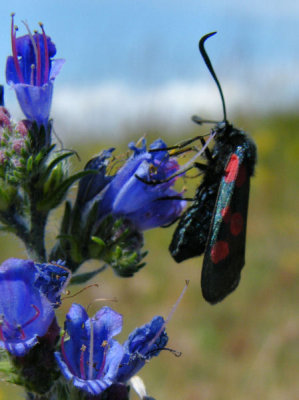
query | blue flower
[25, 312]
[91, 358]
[145, 205]
[143, 343]
[31, 72]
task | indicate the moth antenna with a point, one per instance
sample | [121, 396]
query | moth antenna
[211, 69]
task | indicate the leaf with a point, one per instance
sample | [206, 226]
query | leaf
[54, 162]
[55, 198]
[98, 240]
[64, 229]
[82, 278]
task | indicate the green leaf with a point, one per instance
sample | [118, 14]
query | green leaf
[55, 198]
[82, 278]
[54, 162]
[29, 165]
[98, 240]
[65, 223]
[90, 222]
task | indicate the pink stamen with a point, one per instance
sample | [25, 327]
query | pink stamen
[37, 314]
[103, 361]
[65, 356]
[23, 336]
[82, 370]
[14, 50]
[1, 332]
[38, 62]
[46, 48]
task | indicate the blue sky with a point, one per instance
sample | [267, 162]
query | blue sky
[139, 49]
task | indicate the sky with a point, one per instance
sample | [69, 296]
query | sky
[132, 62]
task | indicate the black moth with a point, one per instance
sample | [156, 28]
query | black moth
[215, 223]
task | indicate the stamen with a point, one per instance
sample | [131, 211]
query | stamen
[114, 299]
[168, 318]
[32, 74]
[19, 328]
[1, 332]
[32, 41]
[65, 356]
[82, 370]
[14, 50]
[47, 61]
[80, 291]
[37, 314]
[105, 345]
[38, 61]
[91, 343]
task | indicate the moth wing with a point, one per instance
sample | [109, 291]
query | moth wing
[225, 250]
[190, 236]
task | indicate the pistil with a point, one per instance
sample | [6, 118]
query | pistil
[38, 61]
[46, 49]
[91, 343]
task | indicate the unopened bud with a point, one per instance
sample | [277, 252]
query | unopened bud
[23, 127]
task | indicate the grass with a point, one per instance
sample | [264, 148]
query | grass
[247, 346]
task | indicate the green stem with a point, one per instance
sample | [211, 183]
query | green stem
[35, 244]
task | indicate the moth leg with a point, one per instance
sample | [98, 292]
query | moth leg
[208, 154]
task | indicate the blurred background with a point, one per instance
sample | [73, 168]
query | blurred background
[133, 68]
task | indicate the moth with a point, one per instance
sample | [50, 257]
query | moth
[215, 223]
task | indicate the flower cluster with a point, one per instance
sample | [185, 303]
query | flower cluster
[90, 358]
[13, 139]
[112, 208]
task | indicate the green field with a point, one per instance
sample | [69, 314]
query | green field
[247, 346]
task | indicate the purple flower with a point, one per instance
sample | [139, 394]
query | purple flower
[91, 358]
[143, 343]
[25, 312]
[145, 205]
[31, 72]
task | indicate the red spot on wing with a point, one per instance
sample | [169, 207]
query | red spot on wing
[219, 251]
[231, 169]
[242, 176]
[226, 214]
[236, 224]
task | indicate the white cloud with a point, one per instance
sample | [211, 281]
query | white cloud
[114, 108]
